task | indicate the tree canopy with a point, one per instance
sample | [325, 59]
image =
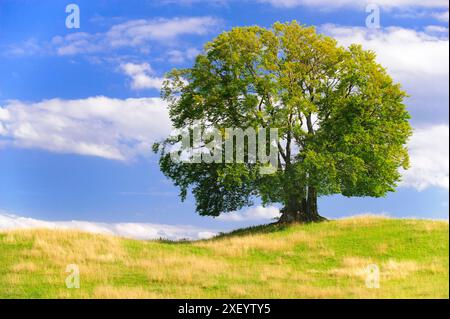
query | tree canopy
[341, 120]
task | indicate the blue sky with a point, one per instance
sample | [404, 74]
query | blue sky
[80, 107]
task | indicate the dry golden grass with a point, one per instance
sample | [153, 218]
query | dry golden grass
[326, 260]
[358, 267]
[428, 225]
[242, 246]
[361, 220]
[110, 292]
[24, 267]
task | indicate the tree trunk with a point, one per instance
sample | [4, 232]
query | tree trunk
[301, 210]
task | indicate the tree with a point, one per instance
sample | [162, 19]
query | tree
[341, 120]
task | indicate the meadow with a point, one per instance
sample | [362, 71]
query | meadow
[322, 260]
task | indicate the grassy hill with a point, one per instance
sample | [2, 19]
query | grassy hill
[326, 260]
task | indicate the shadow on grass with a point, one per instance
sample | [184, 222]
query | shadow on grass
[264, 229]
[260, 229]
[252, 230]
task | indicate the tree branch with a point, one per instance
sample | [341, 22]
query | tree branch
[283, 155]
[309, 124]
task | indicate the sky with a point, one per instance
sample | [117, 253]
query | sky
[80, 107]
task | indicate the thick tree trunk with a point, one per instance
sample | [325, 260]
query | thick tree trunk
[301, 210]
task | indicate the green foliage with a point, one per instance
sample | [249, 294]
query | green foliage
[341, 118]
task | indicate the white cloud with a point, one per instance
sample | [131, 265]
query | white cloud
[139, 31]
[403, 4]
[441, 16]
[134, 33]
[327, 4]
[141, 76]
[123, 129]
[256, 213]
[429, 153]
[405, 52]
[436, 29]
[419, 60]
[143, 231]
[30, 46]
[178, 56]
[97, 126]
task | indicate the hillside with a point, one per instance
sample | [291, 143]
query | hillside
[326, 260]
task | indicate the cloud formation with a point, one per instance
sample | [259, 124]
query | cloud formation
[403, 4]
[181, 56]
[441, 16]
[419, 60]
[133, 34]
[123, 129]
[429, 153]
[142, 231]
[404, 51]
[141, 76]
[326, 4]
[257, 213]
[97, 126]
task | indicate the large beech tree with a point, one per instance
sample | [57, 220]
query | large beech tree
[341, 119]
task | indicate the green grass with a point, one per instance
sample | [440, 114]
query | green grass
[324, 260]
